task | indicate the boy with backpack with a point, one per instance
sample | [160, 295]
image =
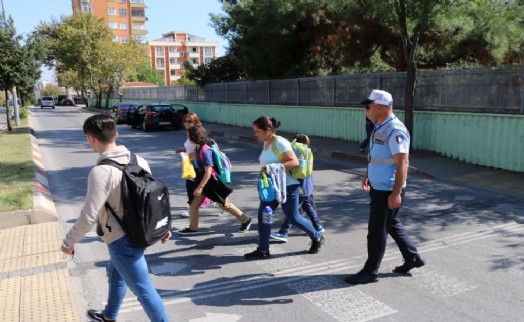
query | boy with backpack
[301, 146]
[210, 183]
[127, 266]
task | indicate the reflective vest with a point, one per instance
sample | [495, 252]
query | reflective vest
[389, 138]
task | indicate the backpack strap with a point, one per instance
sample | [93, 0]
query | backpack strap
[275, 149]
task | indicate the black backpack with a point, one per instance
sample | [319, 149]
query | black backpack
[147, 213]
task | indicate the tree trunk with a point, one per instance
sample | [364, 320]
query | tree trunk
[108, 94]
[8, 112]
[411, 79]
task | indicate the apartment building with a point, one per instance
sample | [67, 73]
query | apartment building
[169, 53]
[126, 18]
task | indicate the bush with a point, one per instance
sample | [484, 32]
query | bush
[23, 112]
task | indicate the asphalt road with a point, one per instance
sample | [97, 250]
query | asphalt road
[471, 240]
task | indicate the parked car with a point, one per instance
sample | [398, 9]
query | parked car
[67, 102]
[47, 101]
[121, 110]
[59, 99]
[150, 116]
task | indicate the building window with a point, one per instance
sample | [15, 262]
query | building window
[122, 1]
[173, 61]
[111, 11]
[86, 7]
[138, 13]
[137, 1]
[181, 54]
[123, 26]
[122, 12]
[208, 60]
[160, 62]
[138, 26]
[125, 39]
[115, 39]
[172, 50]
[112, 25]
[159, 51]
[139, 38]
[194, 61]
[194, 49]
[208, 51]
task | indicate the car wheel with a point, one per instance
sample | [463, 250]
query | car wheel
[144, 126]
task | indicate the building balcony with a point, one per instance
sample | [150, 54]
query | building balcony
[193, 54]
[175, 66]
[138, 19]
[139, 32]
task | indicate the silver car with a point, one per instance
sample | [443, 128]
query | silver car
[47, 101]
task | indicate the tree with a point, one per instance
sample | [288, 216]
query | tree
[145, 73]
[222, 69]
[51, 90]
[12, 54]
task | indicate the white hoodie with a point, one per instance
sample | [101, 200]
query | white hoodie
[103, 184]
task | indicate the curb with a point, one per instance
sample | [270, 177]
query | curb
[44, 209]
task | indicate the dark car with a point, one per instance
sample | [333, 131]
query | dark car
[121, 110]
[67, 102]
[150, 116]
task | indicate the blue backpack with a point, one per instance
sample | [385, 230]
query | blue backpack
[221, 163]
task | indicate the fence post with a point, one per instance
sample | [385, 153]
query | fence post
[334, 90]
[522, 92]
[246, 89]
[227, 93]
[439, 104]
[298, 92]
[269, 92]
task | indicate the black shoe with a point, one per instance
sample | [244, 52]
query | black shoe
[245, 226]
[187, 231]
[407, 266]
[257, 254]
[316, 245]
[95, 315]
[362, 150]
[361, 278]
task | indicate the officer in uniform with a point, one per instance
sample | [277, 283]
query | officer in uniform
[388, 162]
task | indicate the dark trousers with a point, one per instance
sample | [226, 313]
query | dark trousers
[384, 221]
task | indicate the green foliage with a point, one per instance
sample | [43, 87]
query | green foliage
[51, 90]
[222, 69]
[145, 73]
[23, 112]
[183, 81]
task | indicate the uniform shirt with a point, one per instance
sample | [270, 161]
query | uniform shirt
[268, 156]
[389, 138]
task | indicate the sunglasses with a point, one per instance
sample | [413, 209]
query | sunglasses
[188, 121]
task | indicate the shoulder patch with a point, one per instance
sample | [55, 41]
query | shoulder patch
[400, 138]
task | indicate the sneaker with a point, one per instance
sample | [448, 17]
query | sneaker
[187, 231]
[316, 245]
[257, 254]
[321, 229]
[279, 236]
[407, 266]
[245, 226]
[95, 315]
[184, 213]
[361, 278]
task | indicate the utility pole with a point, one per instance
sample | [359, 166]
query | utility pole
[15, 98]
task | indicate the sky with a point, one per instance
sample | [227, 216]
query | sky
[163, 16]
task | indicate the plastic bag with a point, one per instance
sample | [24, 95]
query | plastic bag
[188, 171]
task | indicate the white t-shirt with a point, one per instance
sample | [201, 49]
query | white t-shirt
[268, 156]
[190, 147]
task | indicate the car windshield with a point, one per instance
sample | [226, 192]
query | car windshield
[48, 98]
[161, 108]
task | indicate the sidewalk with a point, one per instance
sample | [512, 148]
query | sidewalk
[35, 284]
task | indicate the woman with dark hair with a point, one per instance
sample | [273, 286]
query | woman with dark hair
[265, 130]
[208, 185]
[189, 120]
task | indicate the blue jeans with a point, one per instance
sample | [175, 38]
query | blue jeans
[308, 205]
[127, 266]
[290, 209]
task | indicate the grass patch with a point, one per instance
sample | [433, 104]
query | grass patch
[17, 170]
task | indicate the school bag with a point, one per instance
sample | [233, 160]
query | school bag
[147, 213]
[304, 156]
[221, 163]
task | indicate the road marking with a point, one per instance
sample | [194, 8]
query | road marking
[342, 303]
[445, 286]
[218, 317]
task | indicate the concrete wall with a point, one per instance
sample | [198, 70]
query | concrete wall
[495, 140]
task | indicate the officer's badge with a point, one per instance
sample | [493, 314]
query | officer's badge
[399, 138]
